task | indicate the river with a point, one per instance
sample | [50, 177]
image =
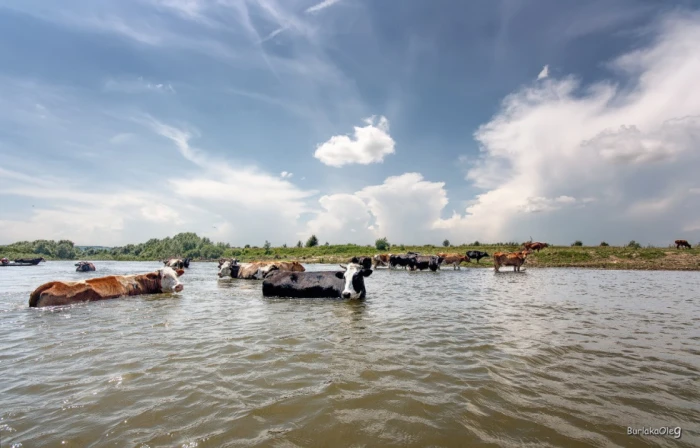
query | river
[547, 357]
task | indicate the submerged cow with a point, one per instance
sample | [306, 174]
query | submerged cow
[515, 259]
[476, 255]
[682, 243]
[347, 284]
[256, 270]
[175, 263]
[365, 262]
[453, 259]
[164, 280]
[84, 266]
[422, 262]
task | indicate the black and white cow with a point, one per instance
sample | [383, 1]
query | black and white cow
[422, 262]
[477, 254]
[365, 262]
[347, 284]
[403, 260]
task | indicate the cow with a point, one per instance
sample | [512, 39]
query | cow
[186, 262]
[515, 259]
[476, 255]
[256, 270]
[536, 246]
[34, 261]
[347, 284]
[365, 262]
[84, 266]
[164, 280]
[453, 259]
[682, 243]
[381, 259]
[175, 263]
[422, 262]
[403, 260]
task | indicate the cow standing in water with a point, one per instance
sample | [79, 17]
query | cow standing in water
[164, 280]
[84, 266]
[515, 259]
[365, 262]
[381, 259]
[256, 270]
[476, 255]
[453, 259]
[347, 284]
[682, 243]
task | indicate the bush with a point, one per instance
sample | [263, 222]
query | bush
[577, 243]
[604, 244]
[267, 247]
[446, 243]
[299, 243]
[634, 245]
[382, 244]
[284, 245]
[312, 241]
[402, 247]
[476, 243]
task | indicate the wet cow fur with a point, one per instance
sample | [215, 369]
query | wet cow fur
[58, 293]
[348, 283]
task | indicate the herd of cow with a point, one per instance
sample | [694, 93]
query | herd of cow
[279, 278]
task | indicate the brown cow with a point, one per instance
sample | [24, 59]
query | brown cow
[164, 280]
[453, 259]
[536, 246]
[381, 259]
[682, 243]
[515, 259]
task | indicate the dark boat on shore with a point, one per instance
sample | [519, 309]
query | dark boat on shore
[21, 262]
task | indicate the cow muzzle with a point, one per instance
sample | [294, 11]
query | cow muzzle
[179, 287]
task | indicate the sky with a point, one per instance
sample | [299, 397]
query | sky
[254, 120]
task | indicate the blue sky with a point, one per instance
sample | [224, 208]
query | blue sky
[124, 120]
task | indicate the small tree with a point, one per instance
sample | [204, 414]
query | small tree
[327, 244]
[634, 245]
[312, 241]
[604, 244]
[382, 244]
[577, 243]
[446, 243]
[247, 246]
[284, 245]
[267, 247]
[476, 243]
[299, 243]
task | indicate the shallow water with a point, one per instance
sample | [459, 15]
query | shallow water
[548, 357]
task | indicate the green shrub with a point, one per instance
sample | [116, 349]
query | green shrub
[577, 243]
[312, 241]
[382, 244]
[604, 244]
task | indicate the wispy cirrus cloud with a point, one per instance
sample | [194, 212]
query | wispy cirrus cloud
[321, 6]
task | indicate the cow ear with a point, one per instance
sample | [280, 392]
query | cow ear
[366, 272]
[180, 272]
[340, 274]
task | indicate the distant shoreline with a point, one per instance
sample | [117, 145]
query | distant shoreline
[608, 258]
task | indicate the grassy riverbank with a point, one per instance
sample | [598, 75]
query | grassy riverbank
[608, 257]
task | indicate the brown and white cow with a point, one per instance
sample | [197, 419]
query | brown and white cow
[381, 259]
[453, 259]
[515, 259]
[177, 263]
[682, 243]
[164, 280]
[255, 270]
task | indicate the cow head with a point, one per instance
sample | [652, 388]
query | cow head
[226, 267]
[297, 267]
[354, 277]
[169, 281]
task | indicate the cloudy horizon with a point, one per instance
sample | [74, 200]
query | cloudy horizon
[253, 120]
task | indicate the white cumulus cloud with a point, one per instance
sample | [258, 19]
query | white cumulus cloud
[369, 144]
[544, 73]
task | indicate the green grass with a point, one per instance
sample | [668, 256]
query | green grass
[608, 257]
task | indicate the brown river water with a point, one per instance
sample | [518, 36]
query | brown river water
[547, 357]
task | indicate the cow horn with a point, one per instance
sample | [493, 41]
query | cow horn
[344, 267]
